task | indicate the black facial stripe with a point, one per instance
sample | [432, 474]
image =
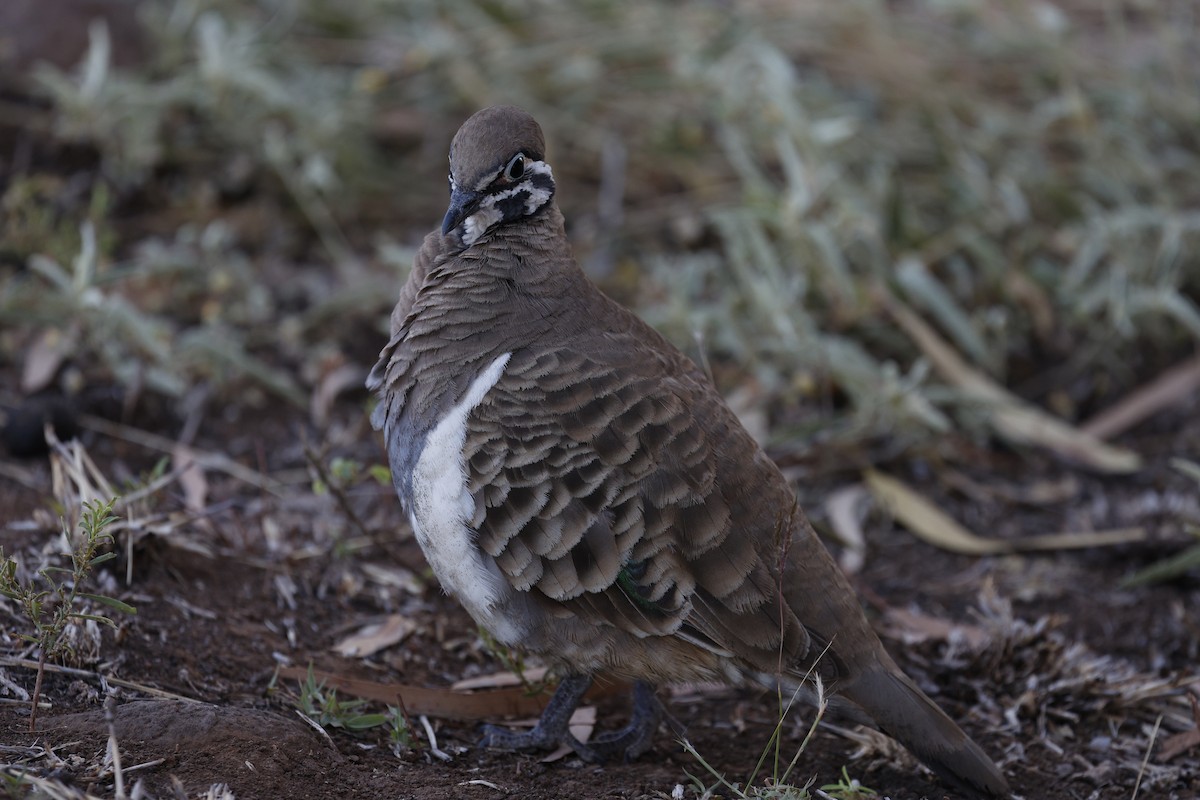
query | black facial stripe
[540, 180]
[511, 208]
[516, 205]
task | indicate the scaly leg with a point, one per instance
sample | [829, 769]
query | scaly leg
[636, 737]
[553, 728]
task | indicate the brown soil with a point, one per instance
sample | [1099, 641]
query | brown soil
[287, 576]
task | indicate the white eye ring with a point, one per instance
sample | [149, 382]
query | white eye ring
[515, 168]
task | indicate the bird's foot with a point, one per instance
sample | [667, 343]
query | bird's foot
[553, 728]
[540, 738]
[636, 737]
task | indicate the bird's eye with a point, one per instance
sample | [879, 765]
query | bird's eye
[515, 168]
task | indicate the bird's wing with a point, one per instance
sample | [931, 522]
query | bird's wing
[606, 483]
[393, 363]
[435, 245]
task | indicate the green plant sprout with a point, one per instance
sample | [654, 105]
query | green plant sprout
[400, 736]
[846, 789]
[324, 707]
[51, 610]
[345, 473]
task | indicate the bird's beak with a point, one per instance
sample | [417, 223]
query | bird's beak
[462, 203]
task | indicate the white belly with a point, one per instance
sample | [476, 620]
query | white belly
[442, 508]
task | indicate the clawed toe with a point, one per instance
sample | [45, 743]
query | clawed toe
[636, 737]
[623, 745]
[537, 739]
[503, 739]
[553, 728]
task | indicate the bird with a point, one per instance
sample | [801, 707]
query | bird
[580, 486]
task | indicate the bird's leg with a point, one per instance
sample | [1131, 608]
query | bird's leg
[553, 728]
[636, 737]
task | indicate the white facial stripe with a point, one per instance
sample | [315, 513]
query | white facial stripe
[488, 215]
[533, 167]
[537, 199]
[539, 167]
[492, 199]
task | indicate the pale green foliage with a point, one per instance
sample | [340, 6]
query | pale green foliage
[154, 347]
[1023, 177]
[244, 86]
[947, 189]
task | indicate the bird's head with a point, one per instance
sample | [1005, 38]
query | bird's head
[497, 174]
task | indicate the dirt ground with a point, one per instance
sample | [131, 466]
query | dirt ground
[1052, 668]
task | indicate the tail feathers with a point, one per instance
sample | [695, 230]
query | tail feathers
[906, 714]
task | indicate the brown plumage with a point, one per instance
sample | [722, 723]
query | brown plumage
[582, 488]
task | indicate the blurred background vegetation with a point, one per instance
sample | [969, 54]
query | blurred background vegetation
[227, 194]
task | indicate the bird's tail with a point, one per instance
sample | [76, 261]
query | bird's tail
[906, 714]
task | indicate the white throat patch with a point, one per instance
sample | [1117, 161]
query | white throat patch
[480, 223]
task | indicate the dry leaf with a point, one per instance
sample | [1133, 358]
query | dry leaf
[1075, 540]
[1184, 741]
[912, 627]
[497, 680]
[333, 383]
[582, 723]
[394, 577]
[44, 357]
[1011, 417]
[375, 637]
[514, 702]
[1041, 492]
[1173, 386]
[929, 523]
[191, 477]
[845, 510]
